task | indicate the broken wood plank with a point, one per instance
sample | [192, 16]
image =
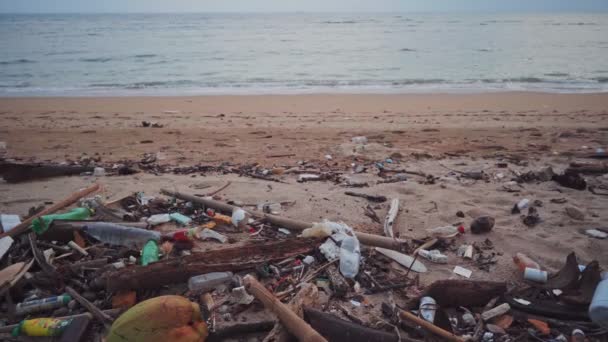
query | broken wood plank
[296, 325]
[455, 293]
[371, 198]
[389, 222]
[233, 259]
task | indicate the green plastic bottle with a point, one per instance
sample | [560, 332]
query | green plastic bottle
[41, 224]
[149, 253]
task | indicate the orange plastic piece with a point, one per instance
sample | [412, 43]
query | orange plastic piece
[124, 299]
[541, 326]
[522, 261]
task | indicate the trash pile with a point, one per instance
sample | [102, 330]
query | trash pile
[179, 267]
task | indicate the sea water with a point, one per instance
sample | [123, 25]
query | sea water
[170, 54]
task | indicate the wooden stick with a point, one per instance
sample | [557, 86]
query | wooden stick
[100, 315]
[426, 325]
[73, 198]
[390, 218]
[364, 238]
[220, 189]
[296, 325]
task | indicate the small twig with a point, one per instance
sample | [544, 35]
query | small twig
[100, 315]
[220, 189]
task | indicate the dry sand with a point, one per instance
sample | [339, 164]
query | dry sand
[463, 132]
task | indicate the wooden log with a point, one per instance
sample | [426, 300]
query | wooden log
[389, 222]
[364, 238]
[430, 327]
[467, 293]
[73, 198]
[15, 173]
[296, 325]
[588, 168]
[233, 259]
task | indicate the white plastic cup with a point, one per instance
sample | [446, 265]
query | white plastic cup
[535, 275]
[428, 306]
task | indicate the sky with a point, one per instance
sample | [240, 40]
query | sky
[119, 6]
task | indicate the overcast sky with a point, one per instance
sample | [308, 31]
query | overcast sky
[62, 6]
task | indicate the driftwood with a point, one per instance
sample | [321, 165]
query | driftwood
[307, 296]
[15, 173]
[588, 168]
[336, 329]
[338, 283]
[73, 198]
[233, 259]
[390, 218]
[371, 198]
[296, 325]
[456, 292]
[364, 238]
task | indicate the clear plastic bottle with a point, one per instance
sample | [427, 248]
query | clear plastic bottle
[523, 261]
[118, 235]
[434, 256]
[350, 255]
[209, 281]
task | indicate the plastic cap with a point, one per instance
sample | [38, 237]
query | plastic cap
[17, 330]
[461, 229]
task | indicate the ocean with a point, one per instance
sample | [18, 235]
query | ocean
[189, 54]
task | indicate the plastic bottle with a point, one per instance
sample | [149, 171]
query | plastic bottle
[598, 310]
[158, 219]
[535, 275]
[44, 304]
[149, 253]
[118, 235]
[41, 224]
[181, 219]
[445, 231]
[41, 327]
[523, 261]
[427, 308]
[184, 234]
[209, 281]
[350, 255]
[434, 256]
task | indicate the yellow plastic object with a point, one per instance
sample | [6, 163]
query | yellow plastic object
[41, 327]
[160, 319]
[209, 225]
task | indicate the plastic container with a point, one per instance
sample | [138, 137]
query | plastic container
[158, 219]
[523, 204]
[41, 224]
[434, 256]
[239, 218]
[118, 235]
[598, 310]
[445, 231]
[209, 281]
[523, 261]
[99, 172]
[350, 256]
[535, 275]
[41, 327]
[44, 304]
[149, 253]
[359, 140]
[428, 307]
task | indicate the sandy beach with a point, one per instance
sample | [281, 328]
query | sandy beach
[429, 133]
